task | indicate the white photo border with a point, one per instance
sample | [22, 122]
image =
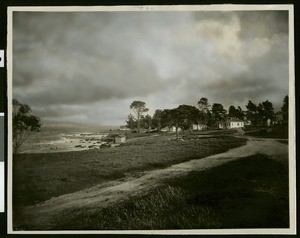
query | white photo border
[224, 7]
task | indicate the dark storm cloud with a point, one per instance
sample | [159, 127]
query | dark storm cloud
[84, 89]
[89, 66]
[237, 91]
[84, 62]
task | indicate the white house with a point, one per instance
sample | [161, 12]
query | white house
[196, 127]
[232, 123]
[269, 122]
[170, 129]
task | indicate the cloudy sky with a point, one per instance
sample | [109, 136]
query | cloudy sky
[87, 67]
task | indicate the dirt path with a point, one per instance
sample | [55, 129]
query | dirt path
[101, 196]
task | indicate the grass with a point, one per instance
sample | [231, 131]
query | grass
[277, 131]
[248, 193]
[38, 177]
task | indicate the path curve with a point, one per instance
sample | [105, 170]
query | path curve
[100, 196]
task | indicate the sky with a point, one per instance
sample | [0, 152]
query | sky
[88, 67]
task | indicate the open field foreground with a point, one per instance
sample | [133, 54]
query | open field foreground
[39, 177]
[251, 192]
[142, 168]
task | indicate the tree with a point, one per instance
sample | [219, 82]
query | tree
[285, 109]
[166, 118]
[258, 115]
[203, 105]
[146, 122]
[209, 119]
[189, 114]
[218, 113]
[236, 112]
[24, 123]
[232, 111]
[176, 120]
[204, 113]
[240, 113]
[182, 117]
[157, 119]
[131, 123]
[252, 112]
[268, 111]
[139, 108]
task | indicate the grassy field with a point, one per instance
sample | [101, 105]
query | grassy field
[38, 177]
[248, 193]
[277, 131]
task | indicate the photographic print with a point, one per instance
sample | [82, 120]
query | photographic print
[151, 119]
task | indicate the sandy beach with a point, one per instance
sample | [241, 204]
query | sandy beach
[62, 142]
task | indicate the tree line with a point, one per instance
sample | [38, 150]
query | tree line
[184, 116]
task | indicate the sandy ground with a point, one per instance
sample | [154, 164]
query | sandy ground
[63, 143]
[104, 195]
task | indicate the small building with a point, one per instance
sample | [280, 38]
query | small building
[119, 139]
[269, 122]
[232, 123]
[197, 127]
[173, 129]
[170, 129]
[165, 129]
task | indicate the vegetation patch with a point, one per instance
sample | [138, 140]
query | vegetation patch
[248, 193]
[286, 142]
[277, 131]
[38, 177]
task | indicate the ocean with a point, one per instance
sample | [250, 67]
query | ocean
[62, 138]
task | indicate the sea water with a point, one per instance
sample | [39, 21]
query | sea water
[65, 138]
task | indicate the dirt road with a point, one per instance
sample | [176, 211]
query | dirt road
[101, 196]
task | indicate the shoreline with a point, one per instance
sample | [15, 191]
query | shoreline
[64, 142]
